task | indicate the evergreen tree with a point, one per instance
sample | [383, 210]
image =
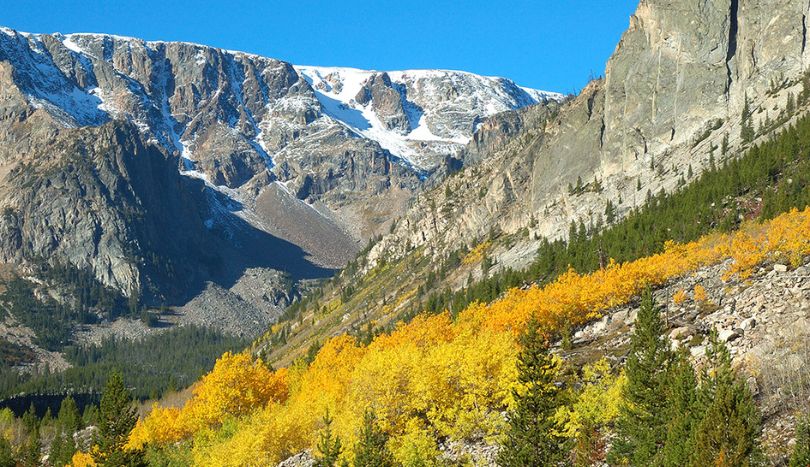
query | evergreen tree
[801, 451]
[641, 428]
[30, 420]
[610, 212]
[371, 449]
[727, 433]
[62, 449]
[67, 423]
[117, 417]
[90, 415]
[682, 412]
[31, 451]
[532, 436]
[329, 445]
[69, 419]
[6, 454]
[747, 131]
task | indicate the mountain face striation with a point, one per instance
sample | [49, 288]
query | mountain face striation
[167, 168]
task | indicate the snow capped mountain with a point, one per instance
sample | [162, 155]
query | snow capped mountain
[349, 146]
[416, 114]
[419, 116]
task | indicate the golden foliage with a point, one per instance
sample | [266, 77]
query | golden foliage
[435, 376]
[476, 254]
[82, 459]
[679, 297]
[699, 294]
[236, 386]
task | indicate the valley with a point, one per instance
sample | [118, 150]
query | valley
[252, 262]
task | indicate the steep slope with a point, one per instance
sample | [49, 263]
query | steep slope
[445, 380]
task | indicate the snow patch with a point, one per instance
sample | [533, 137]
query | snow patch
[423, 97]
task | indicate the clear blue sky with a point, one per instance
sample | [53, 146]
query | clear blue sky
[548, 44]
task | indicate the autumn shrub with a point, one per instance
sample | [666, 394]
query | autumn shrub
[679, 296]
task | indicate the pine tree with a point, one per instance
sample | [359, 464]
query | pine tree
[372, 449]
[67, 423]
[532, 436]
[31, 451]
[90, 415]
[610, 212]
[62, 449]
[682, 412]
[117, 417]
[801, 451]
[329, 445]
[727, 433]
[747, 131]
[641, 428]
[30, 420]
[69, 419]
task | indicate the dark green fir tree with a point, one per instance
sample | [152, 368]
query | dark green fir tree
[682, 412]
[801, 451]
[641, 428]
[372, 449]
[329, 445]
[532, 435]
[727, 433]
[117, 417]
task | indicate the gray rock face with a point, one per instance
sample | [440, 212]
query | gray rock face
[675, 87]
[238, 121]
[176, 169]
[386, 102]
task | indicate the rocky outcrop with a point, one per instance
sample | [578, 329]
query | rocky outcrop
[385, 101]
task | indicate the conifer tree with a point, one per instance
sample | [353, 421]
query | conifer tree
[67, 423]
[532, 436]
[641, 428]
[90, 415]
[329, 445]
[371, 449]
[68, 418]
[682, 411]
[117, 417]
[747, 131]
[801, 451]
[727, 433]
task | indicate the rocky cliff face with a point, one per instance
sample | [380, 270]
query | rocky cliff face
[675, 88]
[161, 166]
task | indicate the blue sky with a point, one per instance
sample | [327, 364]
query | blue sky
[548, 44]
